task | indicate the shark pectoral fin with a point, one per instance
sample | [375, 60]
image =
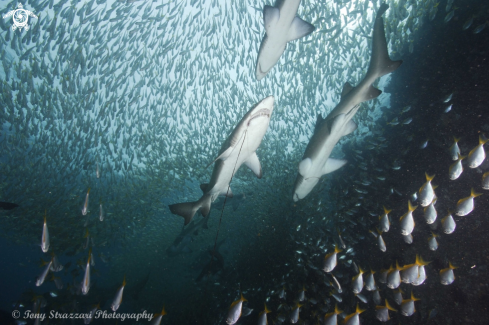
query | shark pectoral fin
[203, 187]
[223, 156]
[299, 28]
[349, 127]
[254, 164]
[205, 205]
[346, 89]
[271, 15]
[227, 192]
[333, 164]
[373, 93]
[186, 210]
[304, 166]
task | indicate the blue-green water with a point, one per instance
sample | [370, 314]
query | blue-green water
[147, 92]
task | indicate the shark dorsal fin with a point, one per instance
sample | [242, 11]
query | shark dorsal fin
[346, 89]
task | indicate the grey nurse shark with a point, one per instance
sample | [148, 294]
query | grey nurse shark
[239, 148]
[316, 161]
[281, 26]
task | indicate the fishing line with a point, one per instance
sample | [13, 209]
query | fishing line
[225, 199]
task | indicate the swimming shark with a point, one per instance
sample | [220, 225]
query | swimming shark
[316, 160]
[281, 26]
[239, 148]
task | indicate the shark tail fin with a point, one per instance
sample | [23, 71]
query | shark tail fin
[186, 210]
[381, 64]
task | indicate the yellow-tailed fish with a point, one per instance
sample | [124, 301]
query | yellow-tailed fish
[383, 275]
[432, 243]
[56, 265]
[446, 275]
[466, 205]
[294, 315]
[485, 181]
[370, 281]
[44, 273]
[118, 296]
[477, 155]
[380, 241]
[357, 281]
[382, 312]
[456, 168]
[86, 278]
[234, 312]
[407, 306]
[426, 192]
[430, 212]
[454, 149]
[448, 223]
[262, 318]
[398, 295]
[330, 260]
[85, 205]
[361, 297]
[158, 317]
[342, 243]
[353, 318]
[376, 297]
[302, 294]
[45, 236]
[421, 276]
[408, 239]
[384, 223]
[410, 273]
[407, 221]
[394, 277]
[332, 318]
[281, 293]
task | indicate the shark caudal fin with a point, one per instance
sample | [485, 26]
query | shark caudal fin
[187, 210]
[380, 62]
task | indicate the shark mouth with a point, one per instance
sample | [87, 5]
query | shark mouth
[264, 112]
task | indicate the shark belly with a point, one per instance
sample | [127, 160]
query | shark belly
[309, 176]
[242, 151]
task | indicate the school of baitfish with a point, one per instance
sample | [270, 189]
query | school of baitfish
[108, 106]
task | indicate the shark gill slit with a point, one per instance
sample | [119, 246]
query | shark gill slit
[226, 197]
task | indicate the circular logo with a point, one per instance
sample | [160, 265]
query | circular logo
[20, 18]
[16, 314]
